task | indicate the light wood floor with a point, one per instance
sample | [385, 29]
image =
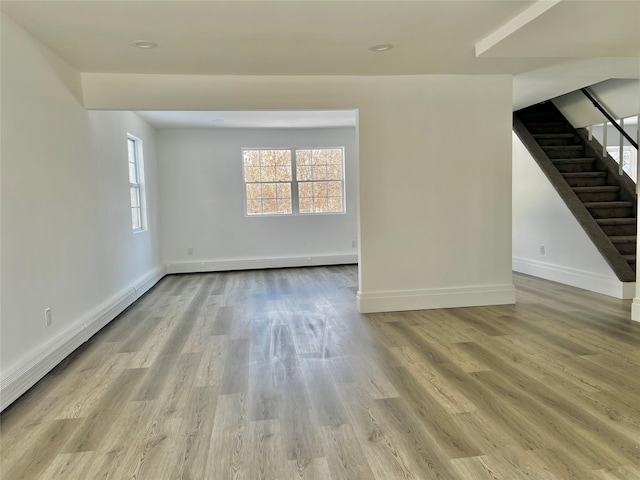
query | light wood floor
[274, 375]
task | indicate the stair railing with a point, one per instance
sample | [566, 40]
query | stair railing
[624, 155]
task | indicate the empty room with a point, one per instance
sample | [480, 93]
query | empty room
[319, 240]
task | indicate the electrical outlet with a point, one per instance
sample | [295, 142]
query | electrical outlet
[542, 250]
[47, 317]
[190, 251]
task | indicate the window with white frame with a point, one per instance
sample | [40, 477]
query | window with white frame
[293, 181]
[136, 183]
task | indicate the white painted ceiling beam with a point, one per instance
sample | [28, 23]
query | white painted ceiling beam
[513, 25]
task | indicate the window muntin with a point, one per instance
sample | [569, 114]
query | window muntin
[136, 193]
[267, 177]
[271, 188]
[319, 173]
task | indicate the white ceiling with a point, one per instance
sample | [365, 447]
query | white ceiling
[332, 37]
[276, 37]
[577, 29]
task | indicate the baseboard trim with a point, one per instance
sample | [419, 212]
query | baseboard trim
[22, 378]
[593, 282]
[472, 296]
[146, 283]
[259, 263]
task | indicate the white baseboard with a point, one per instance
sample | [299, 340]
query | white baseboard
[20, 379]
[395, 301]
[259, 263]
[145, 283]
[594, 282]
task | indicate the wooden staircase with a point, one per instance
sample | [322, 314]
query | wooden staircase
[602, 201]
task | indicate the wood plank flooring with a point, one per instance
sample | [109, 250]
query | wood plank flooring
[274, 375]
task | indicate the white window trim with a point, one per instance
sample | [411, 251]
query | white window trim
[139, 164]
[295, 205]
[245, 183]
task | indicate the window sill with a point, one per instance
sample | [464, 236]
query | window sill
[290, 215]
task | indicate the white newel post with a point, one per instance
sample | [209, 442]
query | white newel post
[635, 306]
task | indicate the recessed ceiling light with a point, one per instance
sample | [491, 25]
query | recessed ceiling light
[143, 44]
[381, 48]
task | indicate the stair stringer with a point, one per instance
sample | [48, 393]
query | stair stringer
[600, 240]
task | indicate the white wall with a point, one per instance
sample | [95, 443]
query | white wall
[541, 218]
[202, 202]
[561, 78]
[66, 231]
[435, 200]
[621, 97]
[613, 134]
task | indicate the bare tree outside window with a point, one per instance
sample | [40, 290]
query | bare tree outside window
[272, 189]
[267, 177]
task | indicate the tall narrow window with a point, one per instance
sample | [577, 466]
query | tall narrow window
[136, 184]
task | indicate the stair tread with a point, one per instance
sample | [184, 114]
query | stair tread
[584, 174]
[562, 147]
[616, 221]
[629, 258]
[570, 160]
[623, 238]
[554, 135]
[611, 204]
[596, 189]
